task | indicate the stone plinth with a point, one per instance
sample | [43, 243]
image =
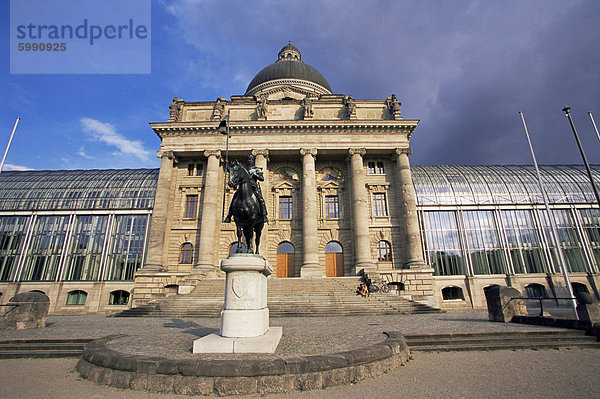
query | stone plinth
[30, 311]
[245, 315]
[588, 309]
[500, 305]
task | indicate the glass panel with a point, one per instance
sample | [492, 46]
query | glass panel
[126, 247]
[47, 241]
[83, 261]
[333, 247]
[185, 255]
[487, 256]
[379, 205]
[442, 243]
[12, 238]
[285, 248]
[569, 240]
[523, 242]
[285, 207]
[591, 227]
[191, 206]
[384, 251]
[332, 207]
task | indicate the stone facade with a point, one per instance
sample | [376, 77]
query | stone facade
[339, 167]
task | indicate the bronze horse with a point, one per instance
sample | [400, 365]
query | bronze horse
[245, 207]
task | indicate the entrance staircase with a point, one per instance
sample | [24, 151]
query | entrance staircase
[286, 297]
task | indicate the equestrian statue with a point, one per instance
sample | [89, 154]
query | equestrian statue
[247, 205]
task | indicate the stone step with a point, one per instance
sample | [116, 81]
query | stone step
[497, 341]
[38, 347]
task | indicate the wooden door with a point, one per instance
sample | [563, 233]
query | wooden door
[334, 264]
[285, 265]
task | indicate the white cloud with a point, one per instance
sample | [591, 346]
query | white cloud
[106, 133]
[83, 154]
[8, 166]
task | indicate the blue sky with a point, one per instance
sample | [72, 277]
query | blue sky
[464, 68]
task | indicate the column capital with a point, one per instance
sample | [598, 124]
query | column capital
[165, 153]
[311, 151]
[359, 151]
[216, 153]
[407, 151]
[263, 152]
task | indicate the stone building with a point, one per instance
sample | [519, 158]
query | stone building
[338, 185]
[341, 197]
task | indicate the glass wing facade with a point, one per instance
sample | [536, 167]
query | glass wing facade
[76, 225]
[480, 220]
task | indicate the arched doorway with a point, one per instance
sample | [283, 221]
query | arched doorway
[334, 259]
[285, 260]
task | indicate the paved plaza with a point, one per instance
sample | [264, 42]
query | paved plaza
[542, 373]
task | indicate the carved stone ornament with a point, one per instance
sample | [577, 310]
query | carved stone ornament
[261, 107]
[400, 151]
[165, 153]
[311, 151]
[307, 105]
[394, 106]
[175, 110]
[350, 105]
[263, 152]
[218, 109]
[215, 153]
[359, 151]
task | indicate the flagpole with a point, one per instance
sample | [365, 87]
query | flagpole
[8, 145]
[594, 123]
[561, 256]
[567, 111]
[226, 164]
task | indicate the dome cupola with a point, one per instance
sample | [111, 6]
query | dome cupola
[289, 70]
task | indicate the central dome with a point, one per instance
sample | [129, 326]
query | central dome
[289, 69]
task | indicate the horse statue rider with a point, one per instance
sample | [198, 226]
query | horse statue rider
[247, 206]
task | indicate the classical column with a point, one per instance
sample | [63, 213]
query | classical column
[410, 236]
[310, 264]
[156, 237]
[360, 210]
[207, 246]
[262, 157]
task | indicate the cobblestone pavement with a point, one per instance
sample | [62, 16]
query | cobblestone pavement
[496, 374]
[547, 374]
[173, 337]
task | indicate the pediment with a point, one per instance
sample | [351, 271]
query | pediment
[329, 184]
[284, 185]
[282, 92]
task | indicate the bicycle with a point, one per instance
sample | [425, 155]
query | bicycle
[379, 286]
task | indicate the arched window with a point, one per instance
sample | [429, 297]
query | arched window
[118, 297]
[384, 251]
[185, 256]
[535, 291]
[76, 297]
[234, 246]
[452, 293]
[579, 288]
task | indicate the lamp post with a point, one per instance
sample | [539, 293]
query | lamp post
[561, 256]
[567, 111]
[8, 145]
[223, 128]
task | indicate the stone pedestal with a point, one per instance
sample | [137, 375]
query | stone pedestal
[501, 306]
[245, 316]
[29, 311]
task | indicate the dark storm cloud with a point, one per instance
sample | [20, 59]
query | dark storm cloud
[463, 68]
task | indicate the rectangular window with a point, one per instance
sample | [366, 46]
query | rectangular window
[379, 205]
[332, 208]
[195, 169]
[285, 207]
[380, 168]
[191, 206]
[371, 167]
